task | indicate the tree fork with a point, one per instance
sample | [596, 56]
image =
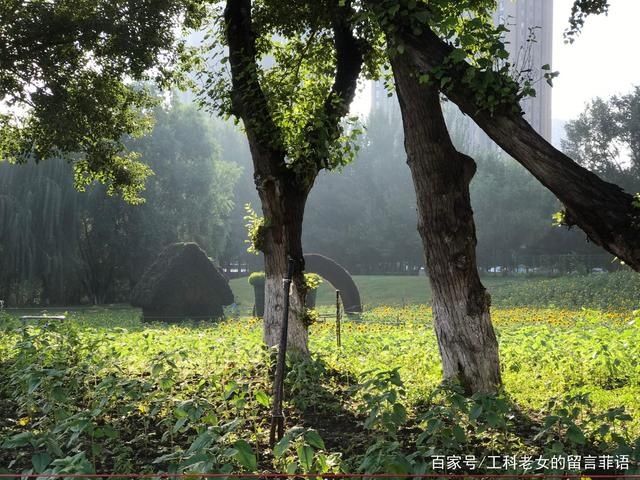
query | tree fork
[441, 177]
[602, 210]
[283, 192]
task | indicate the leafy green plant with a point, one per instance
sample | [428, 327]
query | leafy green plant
[255, 229]
[302, 450]
[382, 393]
[209, 451]
[103, 392]
[309, 316]
[256, 278]
[312, 281]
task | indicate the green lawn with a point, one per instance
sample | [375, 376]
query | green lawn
[375, 290]
[619, 290]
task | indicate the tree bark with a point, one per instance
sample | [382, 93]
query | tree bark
[283, 190]
[601, 209]
[283, 239]
[441, 177]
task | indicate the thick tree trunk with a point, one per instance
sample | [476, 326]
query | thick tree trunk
[601, 209]
[284, 209]
[441, 177]
[283, 192]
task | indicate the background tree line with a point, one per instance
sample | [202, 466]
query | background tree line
[364, 215]
[60, 246]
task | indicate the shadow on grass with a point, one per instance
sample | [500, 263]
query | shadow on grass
[319, 396]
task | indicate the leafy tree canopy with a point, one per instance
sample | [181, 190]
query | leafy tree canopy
[298, 52]
[605, 138]
[66, 80]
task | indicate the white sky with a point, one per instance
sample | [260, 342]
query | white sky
[603, 61]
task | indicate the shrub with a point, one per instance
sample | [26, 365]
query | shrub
[256, 278]
[312, 280]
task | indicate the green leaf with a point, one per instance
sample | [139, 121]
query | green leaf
[33, 383]
[19, 440]
[575, 435]
[399, 464]
[493, 419]
[399, 414]
[262, 398]
[244, 455]
[476, 411]
[180, 412]
[282, 446]
[52, 445]
[202, 441]
[305, 457]
[313, 438]
[179, 424]
[40, 461]
[109, 432]
[459, 434]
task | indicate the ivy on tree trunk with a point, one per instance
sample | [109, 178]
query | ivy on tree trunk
[283, 183]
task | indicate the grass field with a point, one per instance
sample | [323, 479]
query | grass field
[374, 290]
[619, 290]
[102, 392]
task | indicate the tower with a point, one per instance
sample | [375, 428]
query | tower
[529, 43]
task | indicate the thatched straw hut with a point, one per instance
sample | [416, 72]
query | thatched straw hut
[182, 283]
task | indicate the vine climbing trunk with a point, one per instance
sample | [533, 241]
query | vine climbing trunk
[283, 180]
[441, 177]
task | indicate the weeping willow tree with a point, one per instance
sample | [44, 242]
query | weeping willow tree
[38, 232]
[58, 245]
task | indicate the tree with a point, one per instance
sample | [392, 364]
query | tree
[66, 73]
[38, 229]
[602, 210]
[188, 199]
[605, 138]
[58, 245]
[441, 177]
[455, 49]
[292, 119]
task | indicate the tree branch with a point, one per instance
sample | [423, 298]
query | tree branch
[601, 209]
[248, 99]
[349, 60]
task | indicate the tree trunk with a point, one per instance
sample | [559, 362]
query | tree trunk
[283, 192]
[284, 209]
[601, 209]
[441, 177]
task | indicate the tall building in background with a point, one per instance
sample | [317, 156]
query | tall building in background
[381, 100]
[529, 43]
